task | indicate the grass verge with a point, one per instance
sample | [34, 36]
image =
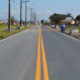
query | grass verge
[5, 34]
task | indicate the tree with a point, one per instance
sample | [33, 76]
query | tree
[69, 15]
[42, 21]
[13, 20]
[46, 22]
[56, 18]
[78, 18]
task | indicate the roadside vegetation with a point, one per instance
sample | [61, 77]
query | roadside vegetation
[4, 33]
[57, 20]
[69, 28]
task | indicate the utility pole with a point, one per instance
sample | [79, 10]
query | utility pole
[9, 15]
[26, 11]
[34, 16]
[31, 15]
[20, 13]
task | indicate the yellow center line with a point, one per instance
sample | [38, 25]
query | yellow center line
[38, 67]
[44, 61]
[45, 67]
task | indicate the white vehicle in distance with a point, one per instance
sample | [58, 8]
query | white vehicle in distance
[52, 26]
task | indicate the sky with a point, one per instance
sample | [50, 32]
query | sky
[43, 8]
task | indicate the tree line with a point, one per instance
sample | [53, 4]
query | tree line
[56, 18]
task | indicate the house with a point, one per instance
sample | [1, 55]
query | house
[69, 20]
[1, 22]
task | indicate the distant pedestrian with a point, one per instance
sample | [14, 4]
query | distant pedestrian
[62, 26]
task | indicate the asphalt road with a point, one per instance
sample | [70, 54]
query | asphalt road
[19, 54]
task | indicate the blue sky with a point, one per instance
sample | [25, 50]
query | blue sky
[43, 8]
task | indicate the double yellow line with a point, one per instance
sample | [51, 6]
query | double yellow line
[38, 66]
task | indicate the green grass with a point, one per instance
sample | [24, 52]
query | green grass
[5, 34]
[3, 27]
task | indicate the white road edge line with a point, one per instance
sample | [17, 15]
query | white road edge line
[69, 36]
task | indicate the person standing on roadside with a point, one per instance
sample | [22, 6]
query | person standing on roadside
[62, 26]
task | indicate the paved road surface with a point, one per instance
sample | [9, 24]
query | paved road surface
[22, 56]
